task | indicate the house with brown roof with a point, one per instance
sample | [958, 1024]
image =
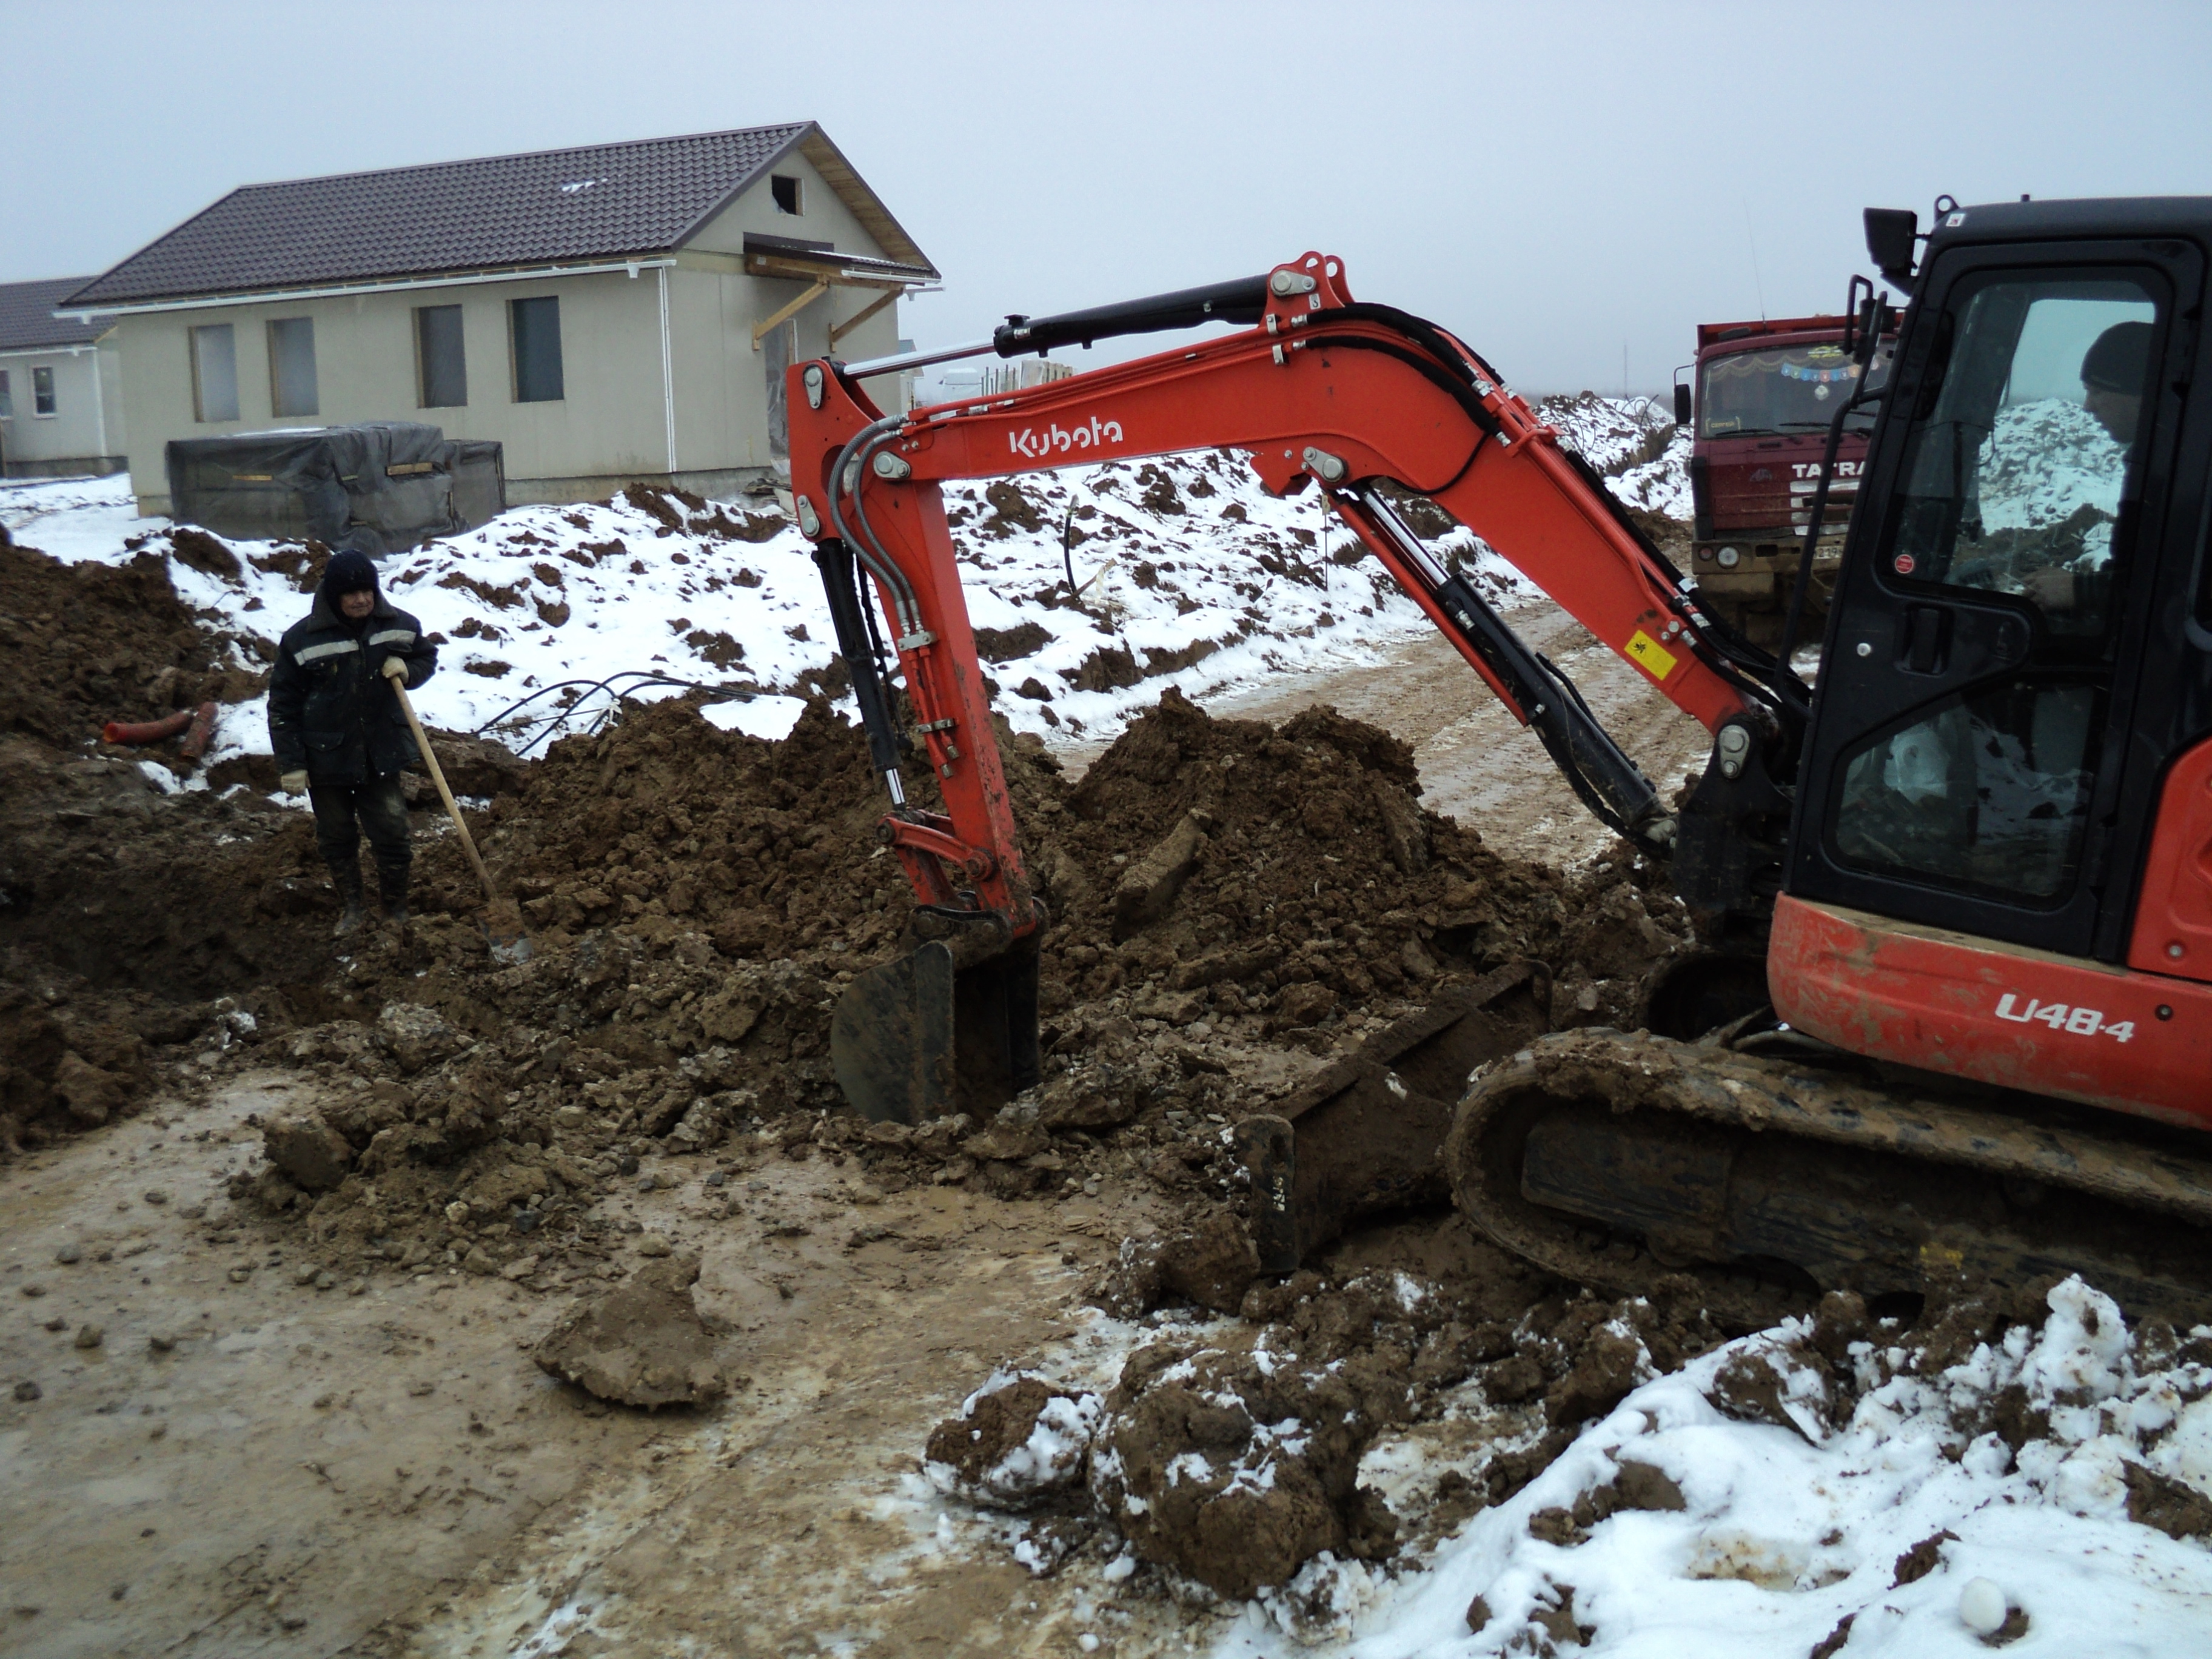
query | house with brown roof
[61, 409]
[609, 315]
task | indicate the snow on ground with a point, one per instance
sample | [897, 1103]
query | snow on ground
[1786, 1531]
[1092, 589]
[1633, 442]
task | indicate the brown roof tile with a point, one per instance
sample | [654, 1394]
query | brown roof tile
[605, 201]
[27, 320]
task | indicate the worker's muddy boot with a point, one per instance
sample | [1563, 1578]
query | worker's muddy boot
[391, 888]
[348, 883]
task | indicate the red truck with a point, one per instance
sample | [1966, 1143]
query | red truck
[1766, 393]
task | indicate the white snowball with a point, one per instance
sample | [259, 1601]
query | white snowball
[1982, 1607]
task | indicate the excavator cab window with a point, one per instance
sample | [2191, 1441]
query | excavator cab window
[2006, 548]
[2015, 482]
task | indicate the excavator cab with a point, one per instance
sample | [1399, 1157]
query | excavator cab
[1988, 644]
[2016, 658]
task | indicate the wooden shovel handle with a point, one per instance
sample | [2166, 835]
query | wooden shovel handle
[437, 777]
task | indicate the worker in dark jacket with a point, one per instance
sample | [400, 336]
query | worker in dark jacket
[338, 732]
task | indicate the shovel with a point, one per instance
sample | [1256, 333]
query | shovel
[502, 917]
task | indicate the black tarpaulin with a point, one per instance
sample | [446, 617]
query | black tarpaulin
[372, 488]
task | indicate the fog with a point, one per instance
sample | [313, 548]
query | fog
[1571, 188]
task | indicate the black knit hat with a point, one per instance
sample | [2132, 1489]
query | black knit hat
[2119, 359]
[349, 573]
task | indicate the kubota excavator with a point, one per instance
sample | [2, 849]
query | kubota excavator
[1962, 1017]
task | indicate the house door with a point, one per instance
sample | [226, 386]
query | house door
[776, 358]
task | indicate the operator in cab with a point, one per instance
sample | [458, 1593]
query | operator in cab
[338, 732]
[2112, 373]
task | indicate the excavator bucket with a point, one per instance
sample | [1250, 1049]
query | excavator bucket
[923, 1036]
[1367, 1134]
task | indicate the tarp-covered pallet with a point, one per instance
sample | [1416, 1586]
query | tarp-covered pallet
[372, 488]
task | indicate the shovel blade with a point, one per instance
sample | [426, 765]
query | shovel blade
[920, 1037]
[504, 932]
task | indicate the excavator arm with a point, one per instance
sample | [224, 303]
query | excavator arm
[1317, 390]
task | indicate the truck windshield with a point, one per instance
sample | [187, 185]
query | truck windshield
[1781, 389]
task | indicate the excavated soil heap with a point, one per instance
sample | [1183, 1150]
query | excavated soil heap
[1228, 1452]
[698, 898]
[123, 908]
[89, 643]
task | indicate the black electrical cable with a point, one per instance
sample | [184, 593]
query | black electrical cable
[638, 676]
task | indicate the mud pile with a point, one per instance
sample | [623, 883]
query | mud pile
[698, 898]
[1229, 1454]
[1211, 869]
[124, 911]
[89, 643]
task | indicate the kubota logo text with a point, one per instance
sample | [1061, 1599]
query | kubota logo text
[1060, 441]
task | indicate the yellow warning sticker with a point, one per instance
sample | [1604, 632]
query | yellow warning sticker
[1654, 657]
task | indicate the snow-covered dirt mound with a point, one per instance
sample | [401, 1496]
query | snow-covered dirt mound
[1821, 1488]
[1633, 442]
[1090, 590]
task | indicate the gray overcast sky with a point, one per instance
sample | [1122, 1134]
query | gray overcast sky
[1553, 181]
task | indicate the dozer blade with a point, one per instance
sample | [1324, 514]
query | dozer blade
[1365, 1135]
[923, 1036]
[1617, 1161]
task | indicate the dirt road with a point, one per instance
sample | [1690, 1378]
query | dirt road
[247, 1463]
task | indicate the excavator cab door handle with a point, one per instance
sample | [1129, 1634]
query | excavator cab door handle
[1923, 644]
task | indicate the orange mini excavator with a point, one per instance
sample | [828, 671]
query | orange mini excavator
[1962, 1017]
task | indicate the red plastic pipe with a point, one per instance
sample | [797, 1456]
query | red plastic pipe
[199, 734]
[146, 731]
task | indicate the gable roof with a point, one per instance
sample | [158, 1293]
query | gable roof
[27, 320]
[550, 207]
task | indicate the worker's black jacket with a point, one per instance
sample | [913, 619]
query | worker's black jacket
[331, 709]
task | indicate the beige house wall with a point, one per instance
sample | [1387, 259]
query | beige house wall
[612, 424]
[84, 434]
[609, 421]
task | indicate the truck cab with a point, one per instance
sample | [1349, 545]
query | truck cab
[1766, 392]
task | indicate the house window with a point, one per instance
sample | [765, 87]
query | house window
[7, 398]
[42, 392]
[215, 372]
[786, 191]
[439, 362]
[291, 366]
[535, 327]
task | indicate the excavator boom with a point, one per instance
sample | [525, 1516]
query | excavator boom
[1321, 390]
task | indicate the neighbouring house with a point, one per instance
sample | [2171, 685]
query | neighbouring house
[610, 314]
[61, 408]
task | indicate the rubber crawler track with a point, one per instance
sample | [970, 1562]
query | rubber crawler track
[2141, 1215]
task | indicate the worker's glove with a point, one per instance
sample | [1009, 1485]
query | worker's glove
[294, 783]
[395, 668]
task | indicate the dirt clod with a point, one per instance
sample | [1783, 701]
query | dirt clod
[2175, 1508]
[1015, 1447]
[640, 1344]
[1923, 1559]
[313, 1156]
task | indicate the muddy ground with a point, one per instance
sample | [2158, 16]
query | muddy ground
[291, 1220]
